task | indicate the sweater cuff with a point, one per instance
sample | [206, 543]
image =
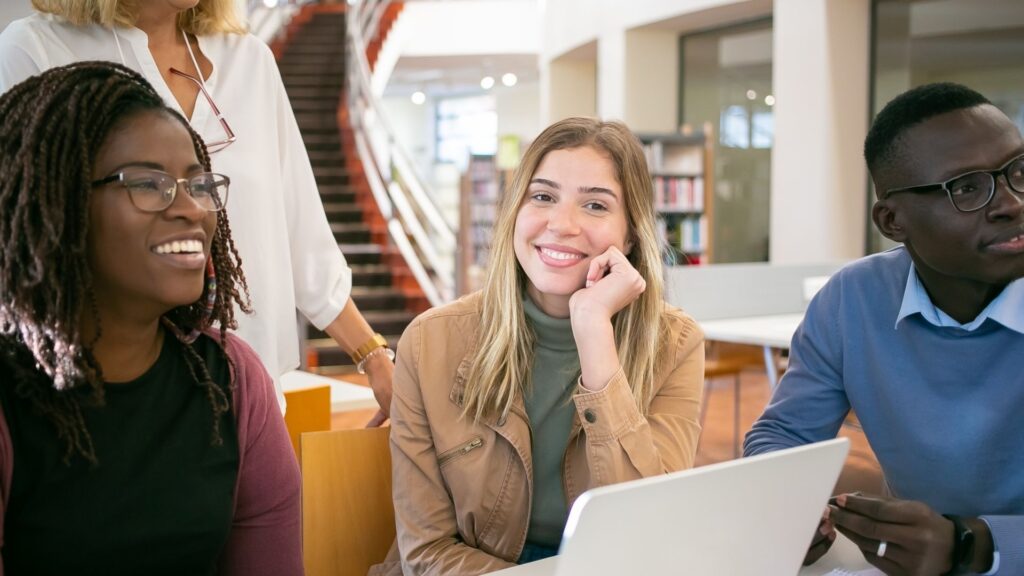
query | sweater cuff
[608, 413]
[1008, 543]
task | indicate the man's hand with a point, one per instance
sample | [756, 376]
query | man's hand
[918, 541]
[824, 536]
[380, 372]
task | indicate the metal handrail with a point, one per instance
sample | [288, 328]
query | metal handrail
[415, 224]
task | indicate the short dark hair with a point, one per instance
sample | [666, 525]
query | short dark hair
[910, 108]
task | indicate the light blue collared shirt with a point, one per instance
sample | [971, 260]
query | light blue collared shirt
[1007, 308]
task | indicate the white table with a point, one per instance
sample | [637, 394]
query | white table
[345, 396]
[770, 332]
[843, 554]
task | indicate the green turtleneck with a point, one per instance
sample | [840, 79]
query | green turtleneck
[556, 366]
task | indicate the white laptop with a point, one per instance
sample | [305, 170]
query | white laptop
[750, 517]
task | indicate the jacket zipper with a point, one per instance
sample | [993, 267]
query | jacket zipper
[460, 451]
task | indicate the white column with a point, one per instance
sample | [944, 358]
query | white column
[820, 80]
[652, 80]
[611, 74]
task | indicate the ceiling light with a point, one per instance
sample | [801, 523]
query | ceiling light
[509, 79]
[418, 97]
[487, 82]
[270, 3]
[751, 95]
[769, 100]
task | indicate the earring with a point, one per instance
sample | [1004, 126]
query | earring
[211, 294]
[205, 318]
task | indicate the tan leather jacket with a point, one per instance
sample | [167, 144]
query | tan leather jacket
[462, 490]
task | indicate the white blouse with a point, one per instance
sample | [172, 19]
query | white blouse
[277, 218]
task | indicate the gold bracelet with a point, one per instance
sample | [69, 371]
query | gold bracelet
[361, 367]
[375, 341]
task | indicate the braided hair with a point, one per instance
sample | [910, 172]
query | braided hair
[51, 128]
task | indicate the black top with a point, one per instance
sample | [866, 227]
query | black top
[160, 499]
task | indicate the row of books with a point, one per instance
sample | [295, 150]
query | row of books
[692, 235]
[681, 194]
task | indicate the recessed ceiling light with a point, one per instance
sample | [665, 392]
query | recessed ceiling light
[487, 82]
[509, 79]
[418, 97]
[769, 100]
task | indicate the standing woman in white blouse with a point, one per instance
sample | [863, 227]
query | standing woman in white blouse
[197, 54]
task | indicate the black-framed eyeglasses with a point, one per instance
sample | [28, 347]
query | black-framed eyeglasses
[154, 191]
[217, 146]
[974, 190]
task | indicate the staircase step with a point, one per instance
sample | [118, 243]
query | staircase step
[384, 322]
[326, 158]
[302, 80]
[337, 193]
[371, 275]
[321, 105]
[339, 212]
[330, 175]
[335, 67]
[303, 92]
[320, 44]
[322, 141]
[356, 254]
[350, 232]
[317, 120]
[378, 298]
[330, 354]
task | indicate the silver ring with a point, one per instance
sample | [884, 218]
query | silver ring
[882, 545]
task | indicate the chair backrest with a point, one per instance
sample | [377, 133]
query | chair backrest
[348, 516]
[309, 410]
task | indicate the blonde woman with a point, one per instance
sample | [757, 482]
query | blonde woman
[567, 371]
[225, 82]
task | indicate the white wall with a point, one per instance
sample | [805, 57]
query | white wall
[568, 88]
[819, 183]
[518, 111]
[470, 27]
[414, 129]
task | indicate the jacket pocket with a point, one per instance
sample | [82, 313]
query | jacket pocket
[460, 451]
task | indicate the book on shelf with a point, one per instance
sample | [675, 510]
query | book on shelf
[681, 179]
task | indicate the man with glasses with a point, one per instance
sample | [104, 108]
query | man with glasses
[923, 342]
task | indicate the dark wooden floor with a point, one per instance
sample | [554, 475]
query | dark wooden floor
[860, 473]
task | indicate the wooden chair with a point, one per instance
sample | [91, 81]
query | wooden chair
[348, 518]
[309, 410]
[728, 360]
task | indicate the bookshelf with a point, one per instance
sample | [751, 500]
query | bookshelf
[681, 174]
[481, 185]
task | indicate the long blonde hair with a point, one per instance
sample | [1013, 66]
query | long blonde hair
[504, 354]
[208, 17]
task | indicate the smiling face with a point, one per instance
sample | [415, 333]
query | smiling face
[985, 247]
[573, 211]
[147, 263]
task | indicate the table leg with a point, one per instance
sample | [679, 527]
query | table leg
[770, 369]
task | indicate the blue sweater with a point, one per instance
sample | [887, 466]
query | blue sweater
[942, 407]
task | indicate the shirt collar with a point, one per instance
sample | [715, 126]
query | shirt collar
[1007, 308]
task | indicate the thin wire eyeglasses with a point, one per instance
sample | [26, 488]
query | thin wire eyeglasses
[211, 147]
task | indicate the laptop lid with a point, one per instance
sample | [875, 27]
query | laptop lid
[750, 517]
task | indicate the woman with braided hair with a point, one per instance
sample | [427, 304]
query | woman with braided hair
[199, 58]
[136, 435]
